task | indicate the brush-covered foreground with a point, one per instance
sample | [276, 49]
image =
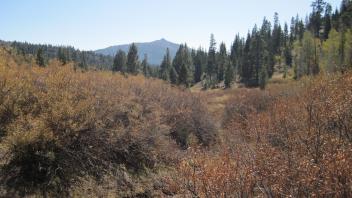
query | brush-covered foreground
[67, 133]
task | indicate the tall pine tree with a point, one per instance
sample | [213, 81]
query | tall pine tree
[166, 66]
[211, 65]
[119, 64]
[132, 60]
[222, 62]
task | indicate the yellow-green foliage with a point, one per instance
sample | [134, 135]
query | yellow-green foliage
[306, 55]
[331, 56]
[337, 50]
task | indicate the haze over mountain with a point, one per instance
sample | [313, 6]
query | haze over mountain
[155, 50]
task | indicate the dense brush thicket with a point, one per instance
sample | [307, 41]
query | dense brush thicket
[58, 126]
[66, 132]
[289, 141]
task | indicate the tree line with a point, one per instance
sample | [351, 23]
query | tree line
[44, 53]
[323, 41]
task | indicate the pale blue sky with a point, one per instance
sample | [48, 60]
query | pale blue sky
[94, 24]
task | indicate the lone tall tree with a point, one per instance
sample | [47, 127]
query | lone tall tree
[211, 57]
[119, 62]
[132, 59]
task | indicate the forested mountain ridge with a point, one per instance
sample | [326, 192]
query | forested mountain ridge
[83, 59]
[155, 50]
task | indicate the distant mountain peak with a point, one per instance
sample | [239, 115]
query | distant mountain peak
[154, 49]
[162, 40]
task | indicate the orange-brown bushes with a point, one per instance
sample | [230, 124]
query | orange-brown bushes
[289, 142]
[57, 126]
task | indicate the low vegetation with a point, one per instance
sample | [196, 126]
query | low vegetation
[59, 126]
[293, 140]
[272, 118]
[86, 133]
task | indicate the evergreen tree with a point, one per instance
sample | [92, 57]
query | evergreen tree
[287, 49]
[222, 61]
[83, 63]
[315, 21]
[236, 54]
[61, 54]
[183, 77]
[256, 51]
[166, 66]
[199, 62]
[345, 15]
[173, 76]
[229, 74]
[211, 65]
[246, 73]
[300, 29]
[132, 60]
[293, 35]
[335, 19]
[268, 53]
[179, 58]
[40, 58]
[145, 65]
[182, 64]
[263, 78]
[327, 21]
[276, 35]
[119, 62]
